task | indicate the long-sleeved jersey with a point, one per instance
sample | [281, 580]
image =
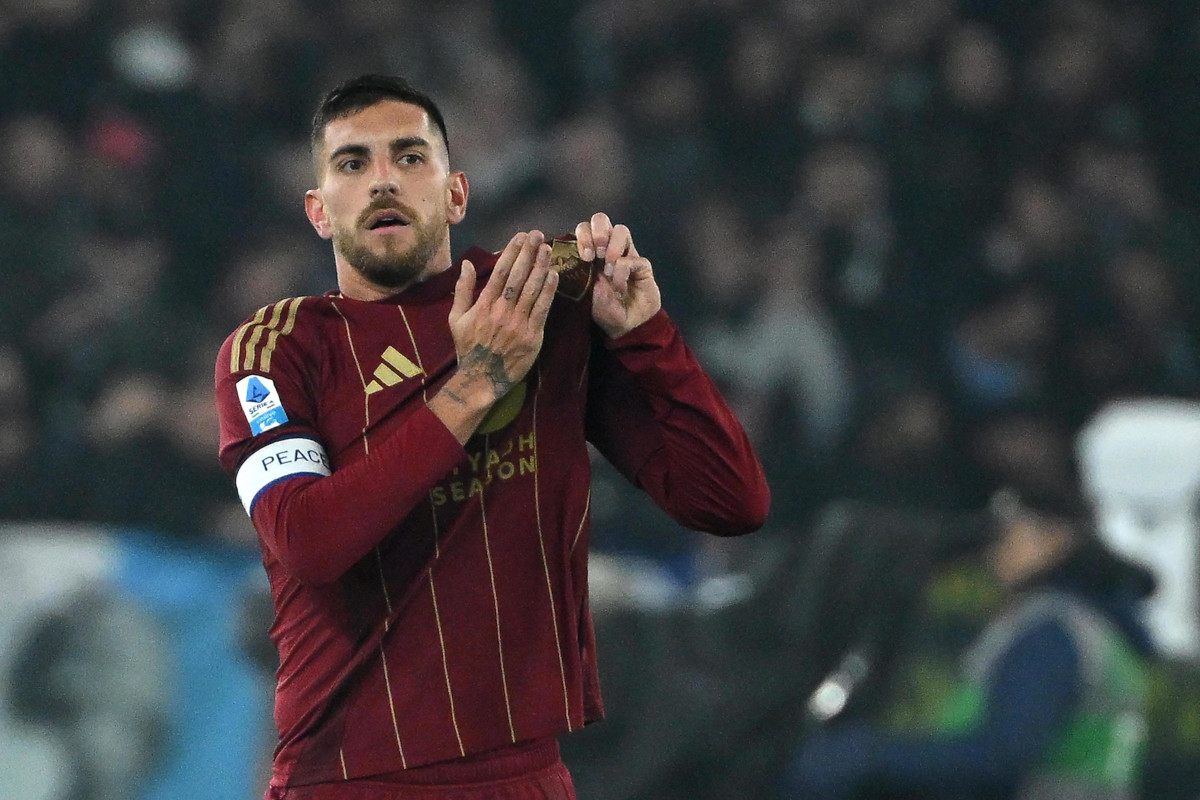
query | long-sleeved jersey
[430, 598]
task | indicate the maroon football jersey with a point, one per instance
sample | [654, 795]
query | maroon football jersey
[430, 598]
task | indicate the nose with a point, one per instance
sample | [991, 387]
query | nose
[384, 186]
[383, 178]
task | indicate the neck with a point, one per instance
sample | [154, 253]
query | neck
[356, 286]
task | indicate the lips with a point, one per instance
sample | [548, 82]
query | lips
[386, 219]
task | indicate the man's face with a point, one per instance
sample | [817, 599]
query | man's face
[386, 196]
[1027, 544]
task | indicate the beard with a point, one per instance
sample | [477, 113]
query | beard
[394, 267]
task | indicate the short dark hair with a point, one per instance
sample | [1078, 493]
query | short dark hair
[365, 91]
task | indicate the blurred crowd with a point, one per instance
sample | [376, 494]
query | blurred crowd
[919, 242]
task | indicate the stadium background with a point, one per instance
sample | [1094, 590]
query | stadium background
[920, 242]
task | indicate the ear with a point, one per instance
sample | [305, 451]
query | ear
[314, 207]
[457, 190]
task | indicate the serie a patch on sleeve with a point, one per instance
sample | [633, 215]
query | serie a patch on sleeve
[277, 461]
[260, 403]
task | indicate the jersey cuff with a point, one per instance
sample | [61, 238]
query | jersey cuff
[281, 459]
[654, 332]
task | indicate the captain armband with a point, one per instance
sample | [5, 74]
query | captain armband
[277, 461]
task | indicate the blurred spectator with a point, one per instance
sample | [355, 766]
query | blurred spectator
[41, 216]
[1052, 698]
[19, 437]
[1002, 352]
[264, 267]
[764, 330]
[904, 452]
[980, 195]
[1024, 447]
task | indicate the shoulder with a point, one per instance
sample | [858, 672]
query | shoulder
[289, 322]
[1038, 621]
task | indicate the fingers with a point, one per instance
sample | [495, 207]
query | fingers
[496, 281]
[463, 291]
[541, 305]
[627, 269]
[520, 287]
[585, 242]
[599, 238]
[620, 244]
[601, 233]
[534, 283]
[533, 252]
[630, 250]
[592, 236]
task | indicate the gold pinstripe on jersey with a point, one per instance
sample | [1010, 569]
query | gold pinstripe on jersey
[387, 680]
[587, 504]
[487, 549]
[361, 378]
[437, 551]
[537, 508]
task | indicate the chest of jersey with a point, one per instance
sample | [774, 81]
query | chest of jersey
[380, 362]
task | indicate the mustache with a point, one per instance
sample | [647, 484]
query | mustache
[386, 203]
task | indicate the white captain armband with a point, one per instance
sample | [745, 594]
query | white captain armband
[281, 459]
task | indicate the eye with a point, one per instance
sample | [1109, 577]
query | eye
[411, 158]
[350, 165]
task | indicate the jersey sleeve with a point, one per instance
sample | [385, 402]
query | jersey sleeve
[263, 404]
[297, 498]
[661, 421]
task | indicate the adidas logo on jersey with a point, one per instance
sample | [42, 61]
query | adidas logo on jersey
[394, 369]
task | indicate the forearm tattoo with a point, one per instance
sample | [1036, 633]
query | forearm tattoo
[481, 361]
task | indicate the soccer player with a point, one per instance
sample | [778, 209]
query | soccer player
[412, 450]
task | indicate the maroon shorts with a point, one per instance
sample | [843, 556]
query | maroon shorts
[532, 771]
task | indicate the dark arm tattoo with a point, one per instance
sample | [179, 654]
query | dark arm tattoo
[482, 362]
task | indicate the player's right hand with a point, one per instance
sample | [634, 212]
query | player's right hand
[499, 334]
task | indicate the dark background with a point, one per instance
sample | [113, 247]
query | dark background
[919, 242]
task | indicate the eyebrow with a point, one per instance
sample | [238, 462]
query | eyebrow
[349, 150]
[405, 142]
[396, 145]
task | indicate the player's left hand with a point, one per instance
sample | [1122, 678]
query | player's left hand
[625, 295]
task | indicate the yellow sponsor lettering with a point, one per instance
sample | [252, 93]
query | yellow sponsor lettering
[483, 467]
